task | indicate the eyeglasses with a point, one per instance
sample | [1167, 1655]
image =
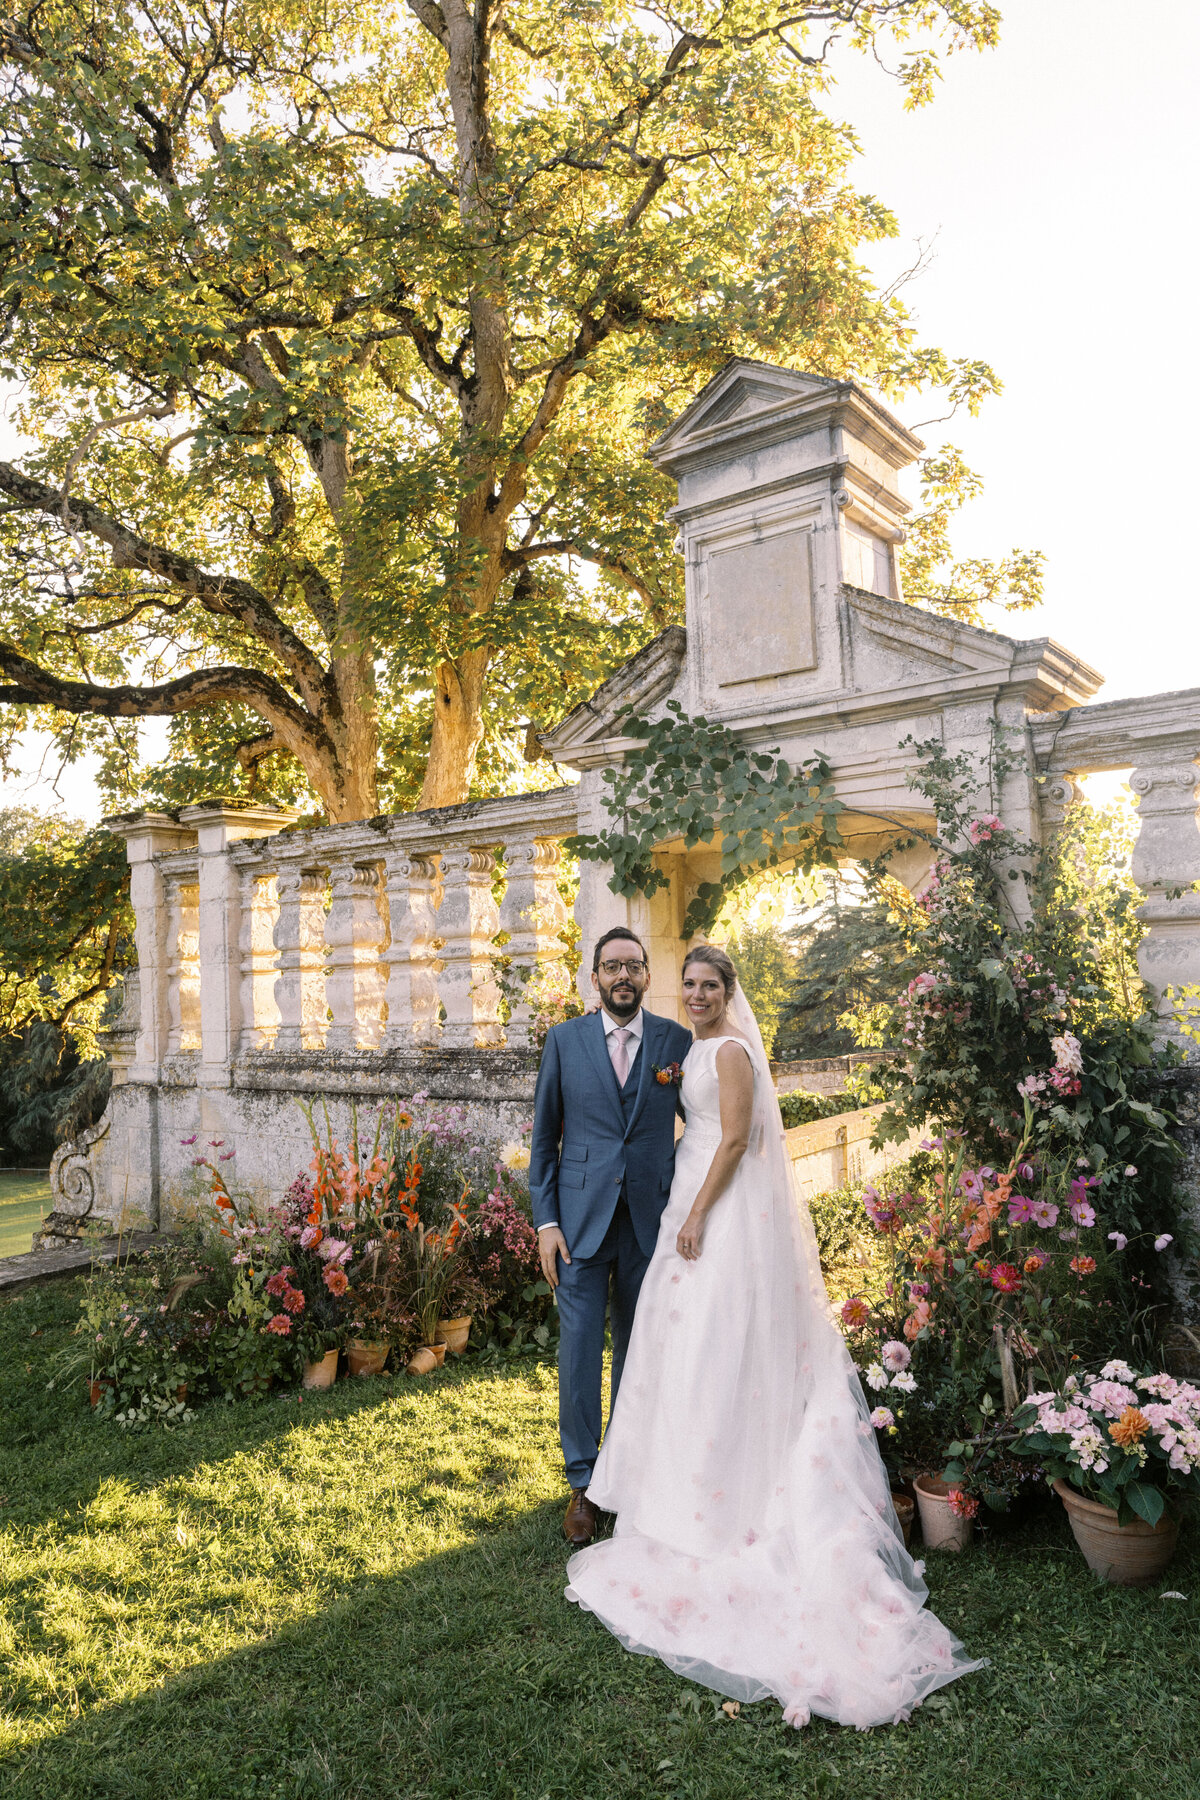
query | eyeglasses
[633, 965]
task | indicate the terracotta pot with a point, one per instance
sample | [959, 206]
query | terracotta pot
[904, 1514]
[181, 1391]
[323, 1372]
[454, 1333]
[365, 1356]
[1127, 1555]
[941, 1527]
[425, 1360]
[98, 1387]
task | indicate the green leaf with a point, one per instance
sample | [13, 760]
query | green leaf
[1146, 1501]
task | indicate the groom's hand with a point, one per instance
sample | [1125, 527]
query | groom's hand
[551, 1245]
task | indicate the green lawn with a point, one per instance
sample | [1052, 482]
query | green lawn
[359, 1594]
[24, 1201]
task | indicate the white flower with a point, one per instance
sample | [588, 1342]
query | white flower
[1130, 1171]
[1116, 1371]
[882, 1418]
[1067, 1053]
[515, 1156]
[895, 1355]
[906, 1381]
[876, 1377]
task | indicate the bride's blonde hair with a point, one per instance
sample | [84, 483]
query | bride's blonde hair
[717, 959]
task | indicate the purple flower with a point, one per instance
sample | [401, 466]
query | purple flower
[970, 1186]
[1025, 1171]
[225, 1155]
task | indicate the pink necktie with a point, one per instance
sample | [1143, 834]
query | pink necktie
[619, 1051]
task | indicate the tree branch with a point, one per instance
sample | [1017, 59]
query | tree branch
[224, 595]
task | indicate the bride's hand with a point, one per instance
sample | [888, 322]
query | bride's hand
[690, 1234]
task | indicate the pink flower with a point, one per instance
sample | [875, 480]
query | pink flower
[293, 1299]
[1043, 1214]
[190, 1140]
[1117, 1239]
[883, 1418]
[855, 1312]
[895, 1355]
[1083, 1265]
[985, 828]
[333, 1249]
[335, 1280]
[1082, 1212]
[964, 1505]
[1006, 1277]
[310, 1236]
[1020, 1210]
[1160, 1243]
[281, 1325]
[1130, 1171]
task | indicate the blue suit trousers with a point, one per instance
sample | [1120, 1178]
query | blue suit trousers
[588, 1287]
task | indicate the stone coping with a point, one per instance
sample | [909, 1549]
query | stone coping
[17, 1272]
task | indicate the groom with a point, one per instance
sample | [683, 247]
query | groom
[602, 1157]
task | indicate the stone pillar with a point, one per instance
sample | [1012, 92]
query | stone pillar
[300, 947]
[148, 836]
[533, 914]
[183, 963]
[256, 944]
[467, 922]
[218, 824]
[1166, 866]
[412, 987]
[354, 937]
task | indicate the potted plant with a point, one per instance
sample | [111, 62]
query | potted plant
[1121, 1448]
[381, 1315]
[436, 1257]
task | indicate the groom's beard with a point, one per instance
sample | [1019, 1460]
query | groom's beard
[622, 1003]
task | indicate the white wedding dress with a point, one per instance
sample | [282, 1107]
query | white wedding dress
[756, 1548]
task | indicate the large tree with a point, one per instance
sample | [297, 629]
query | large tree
[341, 326]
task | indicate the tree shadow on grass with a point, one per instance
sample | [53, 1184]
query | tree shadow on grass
[466, 1677]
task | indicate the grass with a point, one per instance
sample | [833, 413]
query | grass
[24, 1202]
[358, 1595]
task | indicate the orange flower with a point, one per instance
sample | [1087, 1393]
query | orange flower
[934, 1259]
[1131, 1426]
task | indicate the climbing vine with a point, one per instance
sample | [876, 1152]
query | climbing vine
[695, 780]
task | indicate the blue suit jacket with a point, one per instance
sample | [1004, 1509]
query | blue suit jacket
[584, 1151]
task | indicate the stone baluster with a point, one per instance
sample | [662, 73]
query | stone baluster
[256, 944]
[148, 836]
[354, 938]
[467, 921]
[300, 944]
[183, 964]
[1166, 866]
[412, 988]
[533, 915]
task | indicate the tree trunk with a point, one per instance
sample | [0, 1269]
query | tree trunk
[457, 729]
[354, 789]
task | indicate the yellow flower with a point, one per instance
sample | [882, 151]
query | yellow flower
[515, 1156]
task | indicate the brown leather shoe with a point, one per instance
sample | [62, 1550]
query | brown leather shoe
[579, 1525]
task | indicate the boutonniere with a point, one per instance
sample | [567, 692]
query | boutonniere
[671, 1076]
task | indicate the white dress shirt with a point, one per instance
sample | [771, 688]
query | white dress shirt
[634, 1027]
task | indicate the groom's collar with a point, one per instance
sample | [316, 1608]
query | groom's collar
[635, 1025]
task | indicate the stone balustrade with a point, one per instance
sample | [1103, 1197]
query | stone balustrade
[424, 931]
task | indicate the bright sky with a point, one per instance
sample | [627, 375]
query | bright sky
[1059, 175]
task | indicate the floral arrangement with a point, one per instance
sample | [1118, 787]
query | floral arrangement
[381, 1237]
[1122, 1438]
[987, 1281]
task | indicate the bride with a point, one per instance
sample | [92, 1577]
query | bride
[756, 1548]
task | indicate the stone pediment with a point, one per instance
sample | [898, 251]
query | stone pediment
[766, 402]
[900, 647]
[637, 685]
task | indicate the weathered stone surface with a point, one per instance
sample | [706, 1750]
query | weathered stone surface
[17, 1272]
